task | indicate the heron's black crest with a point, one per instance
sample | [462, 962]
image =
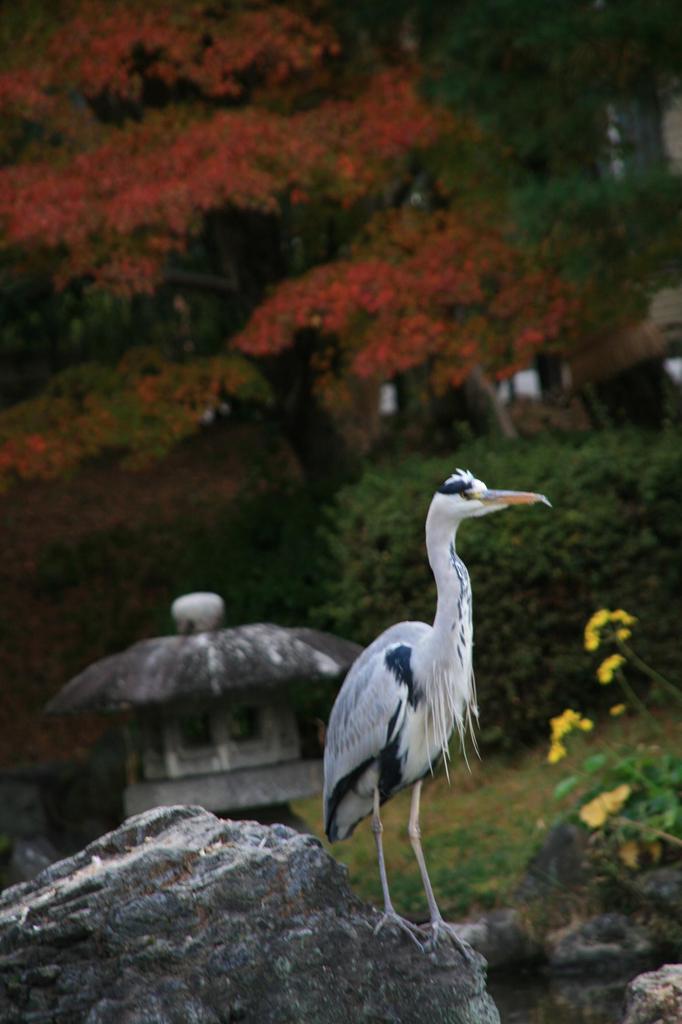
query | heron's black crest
[454, 487]
[460, 481]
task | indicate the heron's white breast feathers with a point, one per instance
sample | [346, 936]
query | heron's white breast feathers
[447, 682]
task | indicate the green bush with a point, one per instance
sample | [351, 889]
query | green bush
[612, 539]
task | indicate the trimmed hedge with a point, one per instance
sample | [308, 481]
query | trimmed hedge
[613, 538]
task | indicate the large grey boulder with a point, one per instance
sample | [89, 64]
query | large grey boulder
[655, 997]
[179, 917]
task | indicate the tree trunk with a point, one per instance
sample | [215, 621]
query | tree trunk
[484, 400]
[307, 426]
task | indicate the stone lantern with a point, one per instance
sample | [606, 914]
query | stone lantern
[215, 726]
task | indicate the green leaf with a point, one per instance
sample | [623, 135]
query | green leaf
[594, 763]
[566, 786]
[669, 819]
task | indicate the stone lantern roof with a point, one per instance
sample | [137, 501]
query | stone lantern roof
[212, 664]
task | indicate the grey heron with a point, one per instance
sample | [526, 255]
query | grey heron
[407, 692]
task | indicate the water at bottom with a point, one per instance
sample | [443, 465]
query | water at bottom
[534, 998]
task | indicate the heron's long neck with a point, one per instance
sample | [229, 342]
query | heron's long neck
[453, 610]
[444, 659]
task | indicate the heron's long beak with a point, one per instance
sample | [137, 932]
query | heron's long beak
[509, 497]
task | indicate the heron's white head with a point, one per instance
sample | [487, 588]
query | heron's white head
[462, 496]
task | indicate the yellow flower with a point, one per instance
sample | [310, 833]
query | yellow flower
[556, 752]
[563, 723]
[617, 709]
[608, 667]
[600, 618]
[595, 623]
[598, 810]
[560, 726]
[603, 617]
[622, 616]
[629, 853]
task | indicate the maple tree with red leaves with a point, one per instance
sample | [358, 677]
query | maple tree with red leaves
[418, 288]
[132, 138]
[141, 406]
[129, 179]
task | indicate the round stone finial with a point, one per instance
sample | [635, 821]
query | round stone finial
[198, 612]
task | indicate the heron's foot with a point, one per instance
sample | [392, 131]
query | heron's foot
[390, 917]
[440, 929]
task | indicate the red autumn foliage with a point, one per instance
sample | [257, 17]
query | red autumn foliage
[97, 48]
[128, 179]
[423, 288]
[110, 50]
[143, 407]
[127, 129]
[119, 209]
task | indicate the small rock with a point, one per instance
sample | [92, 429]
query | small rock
[610, 943]
[559, 865]
[655, 997]
[594, 994]
[662, 887]
[501, 937]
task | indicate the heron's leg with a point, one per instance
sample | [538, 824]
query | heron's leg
[438, 925]
[377, 829]
[389, 915]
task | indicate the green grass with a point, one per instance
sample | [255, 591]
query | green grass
[480, 830]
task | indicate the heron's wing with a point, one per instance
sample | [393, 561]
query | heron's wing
[368, 712]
